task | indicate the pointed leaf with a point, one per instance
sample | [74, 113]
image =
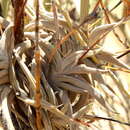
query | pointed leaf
[84, 85]
[101, 30]
[5, 105]
[108, 57]
[73, 58]
[83, 69]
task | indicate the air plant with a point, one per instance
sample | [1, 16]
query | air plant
[47, 80]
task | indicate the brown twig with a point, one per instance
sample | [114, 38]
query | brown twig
[93, 118]
[91, 47]
[108, 20]
[19, 20]
[125, 53]
[37, 71]
[60, 43]
[105, 11]
[115, 6]
[96, 6]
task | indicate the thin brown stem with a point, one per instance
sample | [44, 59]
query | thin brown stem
[115, 6]
[19, 20]
[37, 71]
[124, 54]
[106, 12]
[93, 118]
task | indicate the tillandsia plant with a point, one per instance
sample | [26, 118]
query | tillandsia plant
[49, 68]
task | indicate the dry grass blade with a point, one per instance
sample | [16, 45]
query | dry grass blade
[19, 117]
[46, 120]
[83, 85]
[70, 87]
[6, 42]
[119, 84]
[51, 108]
[80, 113]
[31, 117]
[73, 58]
[101, 30]
[58, 123]
[5, 108]
[51, 95]
[60, 43]
[108, 57]
[83, 69]
[25, 70]
[58, 113]
[93, 118]
[14, 81]
[67, 105]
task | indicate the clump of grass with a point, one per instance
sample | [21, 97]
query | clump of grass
[47, 79]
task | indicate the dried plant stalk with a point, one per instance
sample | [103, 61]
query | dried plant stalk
[19, 20]
[37, 72]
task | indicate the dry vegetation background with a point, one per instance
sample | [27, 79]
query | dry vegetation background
[114, 87]
[113, 44]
